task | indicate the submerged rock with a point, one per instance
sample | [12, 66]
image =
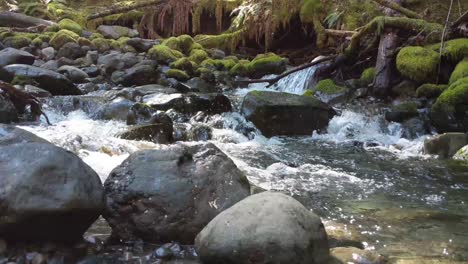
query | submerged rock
[49, 80]
[170, 194]
[445, 145]
[264, 228]
[46, 193]
[14, 56]
[286, 114]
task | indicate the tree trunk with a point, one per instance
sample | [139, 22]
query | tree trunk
[384, 67]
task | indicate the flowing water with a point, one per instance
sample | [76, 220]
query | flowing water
[360, 176]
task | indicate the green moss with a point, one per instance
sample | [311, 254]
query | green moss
[234, 58]
[328, 86]
[182, 64]
[53, 28]
[308, 93]
[461, 71]
[227, 64]
[164, 54]
[452, 97]
[62, 37]
[225, 41]
[70, 25]
[240, 68]
[209, 64]
[368, 76]
[430, 90]
[6, 34]
[101, 44]
[96, 36]
[17, 41]
[85, 42]
[23, 80]
[407, 107]
[417, 63]
[309, 10]
[198, 55]
[178, 75]
[268, 63]
[454, 50]
[37, 42]
[120, 43]
[196, 46]
[181, 43]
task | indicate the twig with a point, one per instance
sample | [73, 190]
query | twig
[442, 43]
[281, 76]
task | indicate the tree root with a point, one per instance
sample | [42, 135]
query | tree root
[20, 99]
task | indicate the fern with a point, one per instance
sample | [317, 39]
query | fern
[333, 19]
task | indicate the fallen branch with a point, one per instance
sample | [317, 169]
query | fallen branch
[20, 99]
[281, 76]
[10, 19]
[340, 33]
[119, 10]
[399, 8]
[461, 19]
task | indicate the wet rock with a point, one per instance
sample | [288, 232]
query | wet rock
[8, 111]
[286, 114]
[200, 132]
[170, 194]
[342, 255]
[36, 91]
[51, 65]
[163, 253]
[140, 75]
[46, 193]
[193, 103]
[117, 61]
[117, 109]
[55, 83]
[141, 45]
[414, 128]
[264, 228]
[66, 104]
[343, 235]
[48, 53]
[14, 56]
[402, 112]
[200, 85]
[462, 154]
[10, 134]
[445, 145]
[74, 74]
[116, 32]
[91, 57]
[158, 133]
[92, 71]
[71, 51]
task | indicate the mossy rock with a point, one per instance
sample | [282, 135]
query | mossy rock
[17, 41]
[85, 42]
[368, 76]
[181, 43]
[120, 44]
[430, 90]
[71, 25]
[37, 42]
[461, 71]
[240, 68]
[198, 55]
[178, 75]
[164, 54]
[264, 64]
[417, 63]
[62, 37]
[53, 28]
[328, 87]
[225, 41]
[96, 36]
[101, 44]
[454, 50]
[183, 64]
[308, 93]
[23, 80]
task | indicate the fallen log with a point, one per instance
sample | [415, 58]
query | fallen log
[340, 33]
[21, 99]
[286, 73]
[123, 9]
[11, 19]
[397, 7]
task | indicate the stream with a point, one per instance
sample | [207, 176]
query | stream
[360, 176]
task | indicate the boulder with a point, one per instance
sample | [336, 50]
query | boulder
[10, 134]
[46, 193]
[401, 112]
[71, 50]
[116, 61]
[140, 75]
[445, 145]
[116, 32]
[13, 56]
[55, 83]
[141, 45]
[51, 65]
[116, 109]
[170, 194]
[8, 111]
[462, 154]
[286, 114]
[158, 133]
[73, 73]
[36, 91]
[264, 228]
[192, 103]
[47, 53]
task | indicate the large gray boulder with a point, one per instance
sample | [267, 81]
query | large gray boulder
[55, 83]
[73, 73]
[116, 32]
[191, 103]
[276, 114]
[14, 56]
[170, 194]
[139, 75]
[46, 193]
[264, 228]
[8, 111]
[10, 134]
[445, 145]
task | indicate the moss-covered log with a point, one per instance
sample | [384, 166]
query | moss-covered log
[398, 8]
[10, 19]
[119, 10]
[432, 31]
